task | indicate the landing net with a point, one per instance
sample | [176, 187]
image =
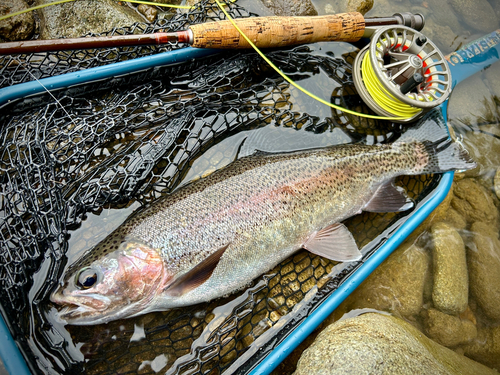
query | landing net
[103, 150]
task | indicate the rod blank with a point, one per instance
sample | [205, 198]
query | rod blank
[264, 32]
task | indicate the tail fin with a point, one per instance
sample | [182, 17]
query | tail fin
[447, 155]
[444, 154]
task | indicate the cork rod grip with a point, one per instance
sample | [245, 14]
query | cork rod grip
[270, 32]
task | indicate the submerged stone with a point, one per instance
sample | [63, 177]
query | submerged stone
[448, 330]
[439, 214]
[492, 75]
[379, 344]
[474, 202]
[484, 147]
[484, 268]
[496, 183]
[450, 292]
[456, 220]
[397, 285]
[477, 14]
[468, 103]
[149, 12]
[486, 347]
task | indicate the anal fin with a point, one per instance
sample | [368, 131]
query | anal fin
[334, 242]
[196, 276]
[389, 198]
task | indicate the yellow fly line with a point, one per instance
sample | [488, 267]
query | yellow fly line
[67, 1]
[289, 80]
[368, 75]
[381, 95]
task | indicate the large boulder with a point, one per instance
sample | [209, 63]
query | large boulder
[379, 344]
[74, 19]
[19, 27]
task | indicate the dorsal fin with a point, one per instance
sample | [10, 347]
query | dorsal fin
[196, 276]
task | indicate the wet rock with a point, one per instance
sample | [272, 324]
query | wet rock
[477, 14]
[484, 148]
[486, 347]
[291, 7]
[439, 11]
[148, 12]
[78, 18]
[496, 7]
[456, 220]
[439, 214]
[336, 6]
[19, 27]
[389, 7]
[450, 292]
[448, 330]
[474, 202]
[469, 102]
[492, 77]
[448, 35]
[361, 6]
[442, 35]
[496, 183]
[484, 268]
[379, 344]
[397, 285]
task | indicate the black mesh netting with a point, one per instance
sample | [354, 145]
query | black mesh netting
[94, 152]
[20, 68]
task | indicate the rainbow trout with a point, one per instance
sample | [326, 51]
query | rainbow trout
[215, 235]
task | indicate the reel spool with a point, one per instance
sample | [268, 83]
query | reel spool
[401, 74]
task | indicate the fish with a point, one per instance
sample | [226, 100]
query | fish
[215, 235]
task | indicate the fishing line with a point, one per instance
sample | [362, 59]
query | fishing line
[381, 95]
[46, 89]
[33, 8]
[297, 86]
[401, 73]
[158, 4]
[127, 1]
[76, 123]
[393, 94]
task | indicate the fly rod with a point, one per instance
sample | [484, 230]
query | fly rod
[265, 32]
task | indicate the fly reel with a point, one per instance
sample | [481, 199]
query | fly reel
[401, 74]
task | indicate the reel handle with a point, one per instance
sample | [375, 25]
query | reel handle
[272, 32]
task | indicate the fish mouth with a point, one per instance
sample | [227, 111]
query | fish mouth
[71, 312]
[80, 315]
[83, 310]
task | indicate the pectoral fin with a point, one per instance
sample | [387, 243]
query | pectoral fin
[389, 198]
[196, 276]
[334, 242]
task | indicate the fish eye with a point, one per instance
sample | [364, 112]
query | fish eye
[86, 278]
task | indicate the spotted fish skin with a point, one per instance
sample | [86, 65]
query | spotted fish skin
[217, 234]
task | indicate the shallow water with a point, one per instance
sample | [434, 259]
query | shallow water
[159, 340]
[472, 112]
[154, 342]
[213, 335]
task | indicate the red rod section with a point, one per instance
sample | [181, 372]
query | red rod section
[34, 46]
